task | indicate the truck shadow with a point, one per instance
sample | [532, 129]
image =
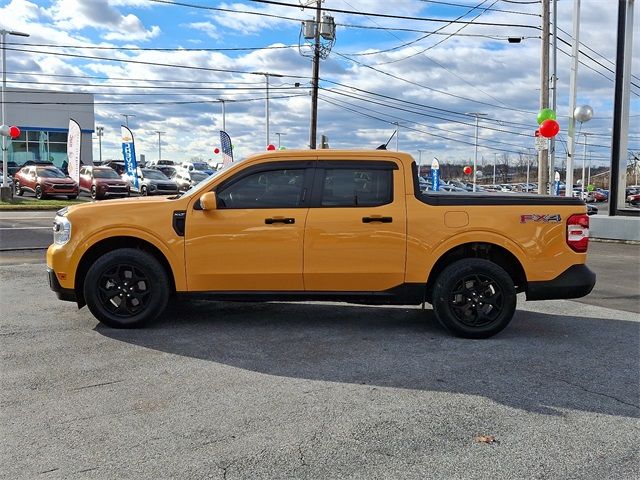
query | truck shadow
[541, 363]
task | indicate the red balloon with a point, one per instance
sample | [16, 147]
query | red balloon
[271, 146]
[14, 132]
[467, 170]
[216, 150]
[549, 128]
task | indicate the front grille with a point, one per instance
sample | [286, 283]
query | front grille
[62, 187]
[167, 186]
[117, 188]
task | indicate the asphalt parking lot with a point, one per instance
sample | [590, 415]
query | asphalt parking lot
[286, 390]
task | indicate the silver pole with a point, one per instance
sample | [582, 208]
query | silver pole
[100, 132]
[573, 84]
[624, 116]
[159, 144]
[584, 161]
[5, 181]
[3, 35]
[224, 116]
[554, 93]
[266, 76]
[495, 160]
[475, 158]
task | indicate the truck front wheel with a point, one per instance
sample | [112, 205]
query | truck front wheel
[126, 288]
[474, 298]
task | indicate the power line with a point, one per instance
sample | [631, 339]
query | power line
[153, 49]
[399, 17]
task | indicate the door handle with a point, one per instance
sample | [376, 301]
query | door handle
[287, 221]
[377, 219]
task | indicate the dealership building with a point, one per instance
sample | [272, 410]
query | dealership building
[43, 118]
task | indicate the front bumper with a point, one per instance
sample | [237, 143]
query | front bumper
[66, 294]
[575, 282]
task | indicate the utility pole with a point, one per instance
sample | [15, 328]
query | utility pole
[224, 115]
[475, 158]
[159, 144]
[543, 155]
[100, 133]
[573, 83]
[315, 66]
[6, 190]
[554, 93]
[126, 118]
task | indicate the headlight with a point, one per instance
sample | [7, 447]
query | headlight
[61, 230]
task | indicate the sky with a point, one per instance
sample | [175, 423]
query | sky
[420, 67]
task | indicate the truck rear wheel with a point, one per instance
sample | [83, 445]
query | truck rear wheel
[474, 298]
[126, 288]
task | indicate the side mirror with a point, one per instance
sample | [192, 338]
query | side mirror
[208, 201]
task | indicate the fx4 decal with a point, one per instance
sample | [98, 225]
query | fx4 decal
[532, 217]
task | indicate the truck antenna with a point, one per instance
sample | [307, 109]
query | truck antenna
[384, 145]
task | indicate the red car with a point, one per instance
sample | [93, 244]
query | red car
[44, 181]
[634, 199]
[102, 182]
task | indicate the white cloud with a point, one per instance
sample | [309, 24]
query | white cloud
[206, 27]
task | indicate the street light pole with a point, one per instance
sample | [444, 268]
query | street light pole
[584, 161]
[126, 118]
[266, 76]
[495, 160]
[224, 115]
[5, 181]
[279, 134]
[475, 158]
[159, 143]
[100, 133]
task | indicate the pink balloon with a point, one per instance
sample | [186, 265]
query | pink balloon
[549, 128]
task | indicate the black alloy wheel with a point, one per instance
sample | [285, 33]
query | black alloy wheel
[39, 193]
[126, 288]
[474, 298]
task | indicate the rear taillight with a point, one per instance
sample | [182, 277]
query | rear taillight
[578, 232]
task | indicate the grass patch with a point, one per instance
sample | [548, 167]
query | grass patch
[18, 203]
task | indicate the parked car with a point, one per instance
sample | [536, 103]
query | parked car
[168, 170]
[154, 182]
[200, 166]
[601, 195]
[102, 182]
[634, 199]
[592, 210]
[44, 182]
[187, 179]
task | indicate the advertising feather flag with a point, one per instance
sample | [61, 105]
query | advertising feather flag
[227, 148]
[74, 139]
[129, 154]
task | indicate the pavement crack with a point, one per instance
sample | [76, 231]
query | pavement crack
[600, 393]
[97, 385]
[48, 471]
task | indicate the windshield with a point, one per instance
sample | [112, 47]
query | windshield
[50, 173]
[198, 176]
[154, 174]
[201, 166]
[105, 173]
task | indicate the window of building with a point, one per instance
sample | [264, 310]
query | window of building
[37, 146]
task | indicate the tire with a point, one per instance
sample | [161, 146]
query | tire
[18, 189]
[474, 298]
[39, 193]
[122, 270]
[143, 191]
[72, 197]
[94, 192]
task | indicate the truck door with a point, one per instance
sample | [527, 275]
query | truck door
[253, 240]
[355, 238]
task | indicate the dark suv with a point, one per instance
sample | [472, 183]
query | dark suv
[102, 182]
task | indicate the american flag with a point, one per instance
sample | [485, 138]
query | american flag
[227, 149]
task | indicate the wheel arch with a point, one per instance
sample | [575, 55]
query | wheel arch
[485, 250]
[112, 243]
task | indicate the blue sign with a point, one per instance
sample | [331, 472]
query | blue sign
[129, 154]
[435, 174]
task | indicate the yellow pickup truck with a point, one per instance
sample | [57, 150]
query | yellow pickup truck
[339, 225]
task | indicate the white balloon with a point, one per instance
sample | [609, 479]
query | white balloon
[583, 113]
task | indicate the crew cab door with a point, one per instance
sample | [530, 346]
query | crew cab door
[355, 238]
[253, 241]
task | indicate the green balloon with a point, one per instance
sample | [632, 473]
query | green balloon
[546, 114]
[282, 148]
